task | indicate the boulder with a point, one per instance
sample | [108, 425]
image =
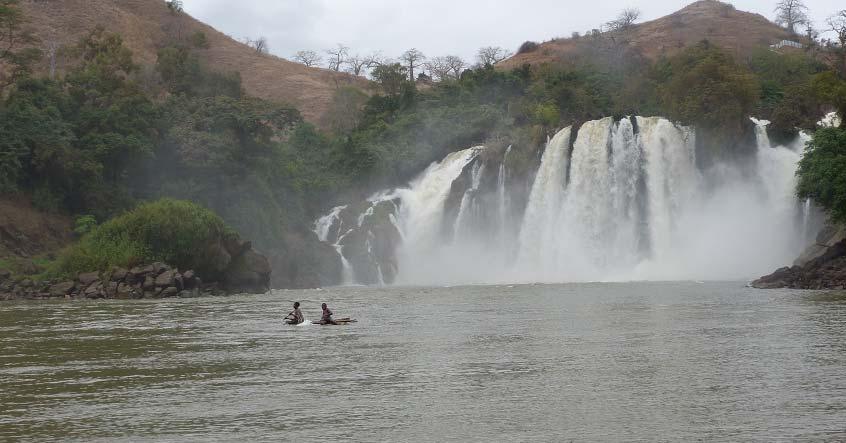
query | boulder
[118, 274]
[169, 292]
[218, 258]
[159, 268]
[166, 278]
[249, 273]
[828, 237]
[189, 293]
[5, 274]
[141, 270]
[235, 246]
[61, 289]
[149, 283]
[87, 278]
[178, 281]
[189, 280]
[111, 289]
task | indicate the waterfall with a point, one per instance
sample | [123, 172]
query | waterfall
[468, 208]
[615, 200]
[502, 197]
[544, 200]
[324, 225]
[329, 229]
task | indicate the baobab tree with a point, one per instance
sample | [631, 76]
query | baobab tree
[356, 64]
[624, 21]
[837, 24]
[791, 13]
[337, 56]
[491, 55]
[308, 58]
[456, 65]
[413, 58]
[438, 68]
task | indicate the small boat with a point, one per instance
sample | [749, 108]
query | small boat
[339, 322]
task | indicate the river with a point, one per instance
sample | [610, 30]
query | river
[582, 362]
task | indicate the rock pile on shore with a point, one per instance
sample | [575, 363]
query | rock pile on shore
[822, 266]
[157, 280]
[241, 270]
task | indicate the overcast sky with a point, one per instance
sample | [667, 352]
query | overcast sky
[437, 27]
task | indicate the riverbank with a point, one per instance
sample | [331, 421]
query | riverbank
[154, 281]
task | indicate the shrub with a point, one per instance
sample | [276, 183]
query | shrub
[172, 231]
[84, 224]
[528, 46]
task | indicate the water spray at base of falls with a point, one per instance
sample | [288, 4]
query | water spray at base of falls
[612, 201]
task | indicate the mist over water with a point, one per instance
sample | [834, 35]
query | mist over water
[612, 201]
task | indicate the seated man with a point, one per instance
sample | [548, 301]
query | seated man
[326, 318]
[296, 316]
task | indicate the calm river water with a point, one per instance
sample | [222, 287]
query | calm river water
[586, 362]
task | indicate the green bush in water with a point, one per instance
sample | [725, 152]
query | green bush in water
[175, 232]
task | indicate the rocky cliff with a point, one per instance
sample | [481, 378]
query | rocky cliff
[821, 266]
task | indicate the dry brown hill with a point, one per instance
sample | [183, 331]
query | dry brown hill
[736, 31]
[147, 24]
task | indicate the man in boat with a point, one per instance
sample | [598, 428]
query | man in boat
[326, 318]
[296, 316]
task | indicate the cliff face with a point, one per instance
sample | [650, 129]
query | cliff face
[146, 25]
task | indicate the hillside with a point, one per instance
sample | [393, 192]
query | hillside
[720, 23]
[147, 24]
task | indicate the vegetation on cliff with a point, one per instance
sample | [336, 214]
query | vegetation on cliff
[822, 172]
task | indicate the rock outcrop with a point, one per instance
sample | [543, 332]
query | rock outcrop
[821, 266]
[246, 271]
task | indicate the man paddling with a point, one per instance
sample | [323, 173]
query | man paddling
[296, 316]
[326, 318]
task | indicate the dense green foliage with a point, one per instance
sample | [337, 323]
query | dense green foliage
[822, 171]
[170, 231]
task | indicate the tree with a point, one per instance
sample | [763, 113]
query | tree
[260, 44]
[175, 6]
[491, 55]
[438, 68]
[16, 55]
[337, 56]
[624, 21]
[706, 87]
[837, 24]
[446, 68]
[456, 65]
[391, 77]
[822, 171]
[308, 58]
[413, 58]
[791, 13]
[356, 64]
[376, 59]
[345, 111]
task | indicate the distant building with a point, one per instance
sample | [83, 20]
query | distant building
[787, 43]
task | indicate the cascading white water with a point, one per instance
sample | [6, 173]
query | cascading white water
[540, 219]
[323, 228]
[615, 201]
[502, 195]
[468, 207]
